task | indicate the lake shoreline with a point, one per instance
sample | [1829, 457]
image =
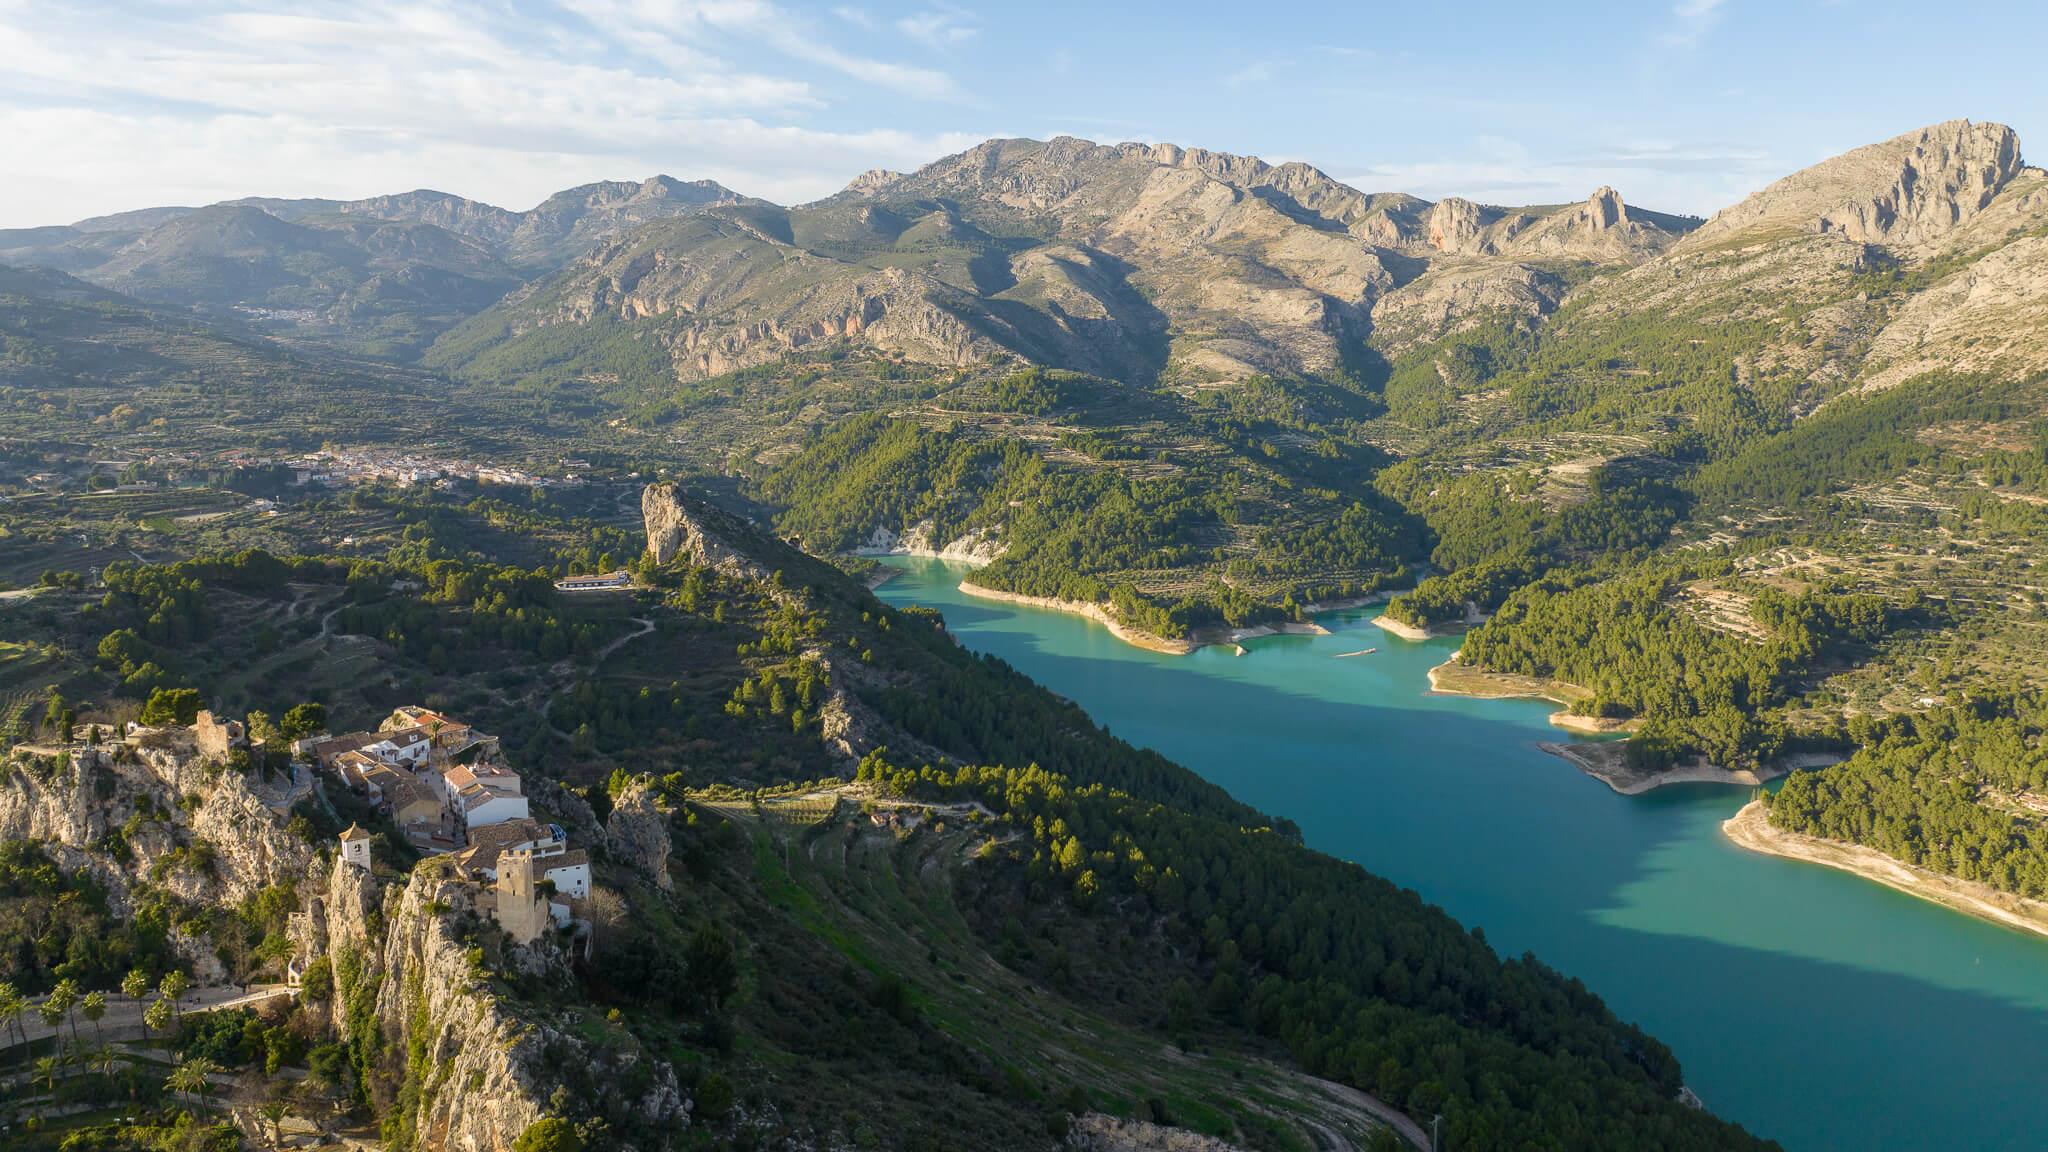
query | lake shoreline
[1153, 642]
[1135, 637]
[1605, 761]
[1751, 829]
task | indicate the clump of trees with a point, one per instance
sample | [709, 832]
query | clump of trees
[1917, 788]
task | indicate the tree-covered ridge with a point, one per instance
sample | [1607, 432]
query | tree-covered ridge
[1917, 789]
[1209, 921]
[1361, 981]
[1172, 539]
[1698, 690]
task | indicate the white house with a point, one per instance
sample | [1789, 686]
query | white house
[570, 872]
[479, 806]
[407, 749]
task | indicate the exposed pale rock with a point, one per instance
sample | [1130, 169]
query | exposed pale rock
[1989, 317]
[679, 527]
[1458, 296]
[72, 803]
[636, 833]
[488, 1071]
[1099, 1132]
[1910, 191]
[1456, 226]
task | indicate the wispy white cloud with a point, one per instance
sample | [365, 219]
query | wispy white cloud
[219, 100]
[1691, 21]
[938, 29]
[1256, 74]
[1662, 174]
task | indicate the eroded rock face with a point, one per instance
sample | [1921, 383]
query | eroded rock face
[487, 1069]
[73, 803]
[1097, 1132]
[1455, 298]
[1455, 226]
[636, 833]
[979, 546]
[1910, 191]
[677, 527]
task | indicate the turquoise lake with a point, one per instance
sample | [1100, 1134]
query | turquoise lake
[1812, 1007]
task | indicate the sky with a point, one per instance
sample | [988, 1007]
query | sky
[107, 105]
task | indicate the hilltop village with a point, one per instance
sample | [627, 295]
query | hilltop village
[442, 784]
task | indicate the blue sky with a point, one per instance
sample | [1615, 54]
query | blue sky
[1684, 106]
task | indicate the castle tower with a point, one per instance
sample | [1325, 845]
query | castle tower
[355, 847]
[521, 911]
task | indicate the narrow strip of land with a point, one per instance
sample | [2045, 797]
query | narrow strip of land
[1751, 828]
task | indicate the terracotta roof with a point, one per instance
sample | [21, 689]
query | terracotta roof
[352, 833]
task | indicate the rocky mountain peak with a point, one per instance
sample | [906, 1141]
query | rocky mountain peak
[1457, 225]
[1910, 191]
[1605, 210]
[873, 180]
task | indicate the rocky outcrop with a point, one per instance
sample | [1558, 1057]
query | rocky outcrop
[1457, 297]
[678, 527]
[872, 180]
[1991, 316]
[465, 1066]
[1099, 1132]
[1910, 191]
[1458, 226]
[636, 833]
[980, 546]
[464, 1070]
[195, 825]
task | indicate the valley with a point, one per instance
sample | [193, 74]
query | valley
[1755, 499]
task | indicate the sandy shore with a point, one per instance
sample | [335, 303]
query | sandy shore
[1234, 635]
[968, 558]
[1404, 631]
[1607, 762]
[1133, 636]
[1454, 678]
[1590, 725]
[1751, 829]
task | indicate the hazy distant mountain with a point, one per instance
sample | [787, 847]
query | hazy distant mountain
[377, 285]
[1132, 261]
[383, 275]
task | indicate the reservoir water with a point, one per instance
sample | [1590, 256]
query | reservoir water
[1815, 1008]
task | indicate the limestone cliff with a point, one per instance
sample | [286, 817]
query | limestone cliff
[192, 824]
[678, 526]
[636, 833]
[456, 1067]
[1910, 191]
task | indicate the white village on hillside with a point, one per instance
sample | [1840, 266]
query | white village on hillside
[442, 784]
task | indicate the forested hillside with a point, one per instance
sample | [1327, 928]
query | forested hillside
[778, 711]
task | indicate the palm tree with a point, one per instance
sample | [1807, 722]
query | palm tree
[93, 1007]
[63, 998]
[190, 1078]
[157, 1017]
[273, 1113]
[172, 987]
[135, 985]
[52, 1011]
[12, 1005]
[104, 1058]
[46, 1071]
